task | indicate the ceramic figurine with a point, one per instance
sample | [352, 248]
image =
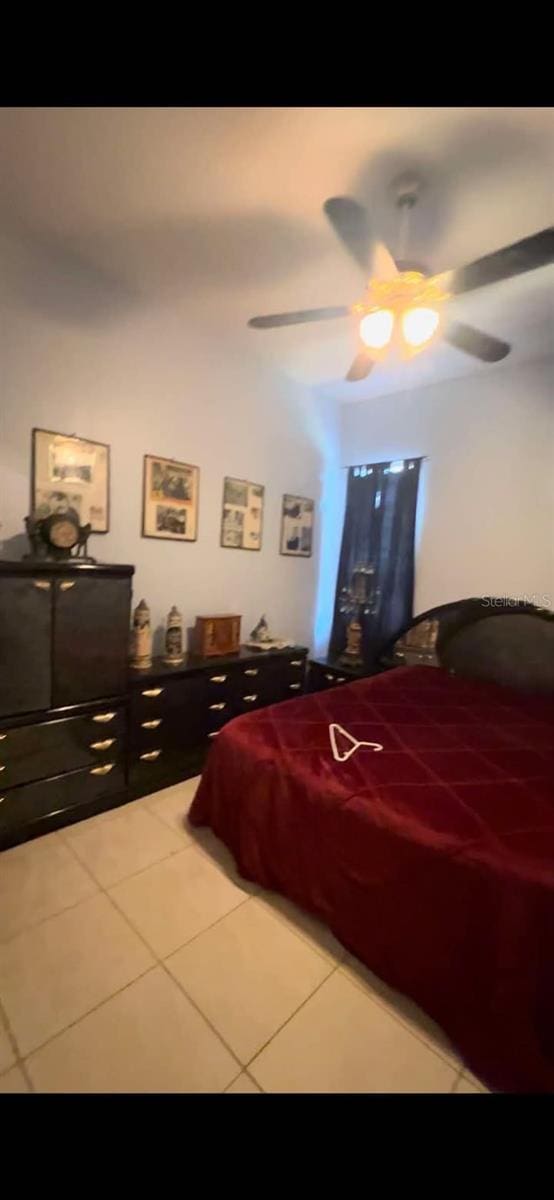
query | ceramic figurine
[174, 638]
[261, 631]
[141, 641]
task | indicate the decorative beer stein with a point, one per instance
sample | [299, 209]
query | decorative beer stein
[141, 637]
[174, 638]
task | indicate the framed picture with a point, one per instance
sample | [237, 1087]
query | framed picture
[170, 499]
[297, 526]
[243, 513]
[68, 471]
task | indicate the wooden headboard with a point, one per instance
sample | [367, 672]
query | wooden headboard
[503, 641]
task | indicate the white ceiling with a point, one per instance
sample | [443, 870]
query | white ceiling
[218, 213]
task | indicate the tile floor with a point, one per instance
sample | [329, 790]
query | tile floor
[134, 958]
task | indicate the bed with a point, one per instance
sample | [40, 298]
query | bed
[413, 811]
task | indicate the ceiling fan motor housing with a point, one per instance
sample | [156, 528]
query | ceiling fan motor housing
[406, 190]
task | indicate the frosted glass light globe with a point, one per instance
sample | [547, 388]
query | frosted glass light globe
[376, 328]
[419, 325]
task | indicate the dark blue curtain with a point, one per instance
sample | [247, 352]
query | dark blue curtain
[379, 527]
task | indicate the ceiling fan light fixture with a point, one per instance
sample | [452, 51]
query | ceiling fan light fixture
[376, 328]
[419, 326]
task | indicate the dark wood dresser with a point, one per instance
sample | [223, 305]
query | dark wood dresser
[64, 635]
[176, 712]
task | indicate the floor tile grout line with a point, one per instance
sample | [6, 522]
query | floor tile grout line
[456, 1082]
[248, 1065]
[25, 1072]
[164, 962]
[21, 1059]
[42, 920]
[251, 1077]
[159, 962]
[206, 1019]
[248, 1076]
[24, 1059]
[163, 958]
[304, 1002]
[205, 853]
[133, 874]
[402, 1021]
[245, 1065]
[6, 1027]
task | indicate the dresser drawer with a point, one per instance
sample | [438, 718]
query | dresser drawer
[294, 667]
[216, 713]
[249, 701]
[221, 683]
[34, 801]
[162, 699]
[32, 752]
[177, 727]
[156, 768]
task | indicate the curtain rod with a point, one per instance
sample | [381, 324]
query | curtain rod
[386, 461]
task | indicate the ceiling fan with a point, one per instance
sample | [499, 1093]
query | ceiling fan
[403, 305]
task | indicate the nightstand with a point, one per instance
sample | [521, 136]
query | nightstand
[327, 672]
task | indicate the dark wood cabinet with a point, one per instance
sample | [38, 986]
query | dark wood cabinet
[25, 642]
[64, 633]
[91, 636]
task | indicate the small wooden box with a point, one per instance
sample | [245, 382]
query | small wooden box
[217, 635]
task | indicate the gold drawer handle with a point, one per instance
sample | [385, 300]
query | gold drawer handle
[105, 745]
[251, 671]
[341, 679]
[214, 734]
[43, 584]
[251, 699]
[295, 662]
[2, 798]
[152, 692]
[2, 767]
[66, 585]
[328, 676]
[3, 737]
[151, 724]
[103, 718]
[294, 686]
[218, 678]
[150, 755]
[105, 770]
[217, 707]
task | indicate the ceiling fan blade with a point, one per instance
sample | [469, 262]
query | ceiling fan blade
[299, 318]
[361, 367]
[472, 341]
[351, 224]
[527, 255]
[382, 264]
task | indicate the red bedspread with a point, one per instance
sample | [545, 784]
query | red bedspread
[431, 860]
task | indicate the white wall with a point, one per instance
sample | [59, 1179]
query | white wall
[152, 383]
[486, 500]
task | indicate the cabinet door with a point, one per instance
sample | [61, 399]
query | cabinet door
[91, 638]
[25, 633]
